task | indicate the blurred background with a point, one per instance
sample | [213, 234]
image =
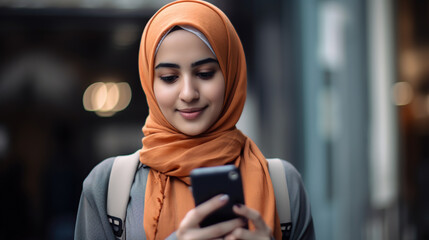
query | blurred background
[340, 88]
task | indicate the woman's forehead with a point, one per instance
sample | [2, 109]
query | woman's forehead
[189, 29]
[182, 45]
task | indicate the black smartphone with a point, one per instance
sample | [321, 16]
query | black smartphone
[208, 182]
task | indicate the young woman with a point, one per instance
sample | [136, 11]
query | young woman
[193, 72]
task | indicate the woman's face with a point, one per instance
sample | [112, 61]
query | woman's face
[188, 83]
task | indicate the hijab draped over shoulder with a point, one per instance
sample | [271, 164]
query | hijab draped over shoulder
[170, 154]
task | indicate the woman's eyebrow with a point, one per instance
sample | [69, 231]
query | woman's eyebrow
[204, 61]
[167, 65]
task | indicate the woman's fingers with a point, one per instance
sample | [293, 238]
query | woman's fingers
[220, 229]
[240, 233]
[189, 227]
[212, 232]
[253, 216]
[196, 215]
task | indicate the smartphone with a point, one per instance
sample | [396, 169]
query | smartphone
[208, 182]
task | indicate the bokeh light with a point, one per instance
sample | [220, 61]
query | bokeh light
[107, 98]
[402, 93]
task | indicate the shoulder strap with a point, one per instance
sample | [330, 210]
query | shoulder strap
[278, 177]
[118, 193]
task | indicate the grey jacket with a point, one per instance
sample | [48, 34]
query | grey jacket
[92, 222]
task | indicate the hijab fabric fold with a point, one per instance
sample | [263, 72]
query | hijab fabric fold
[170, 154]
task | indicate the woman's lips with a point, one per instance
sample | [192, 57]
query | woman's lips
[191, 113]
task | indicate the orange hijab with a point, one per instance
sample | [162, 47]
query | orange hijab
[170, 154]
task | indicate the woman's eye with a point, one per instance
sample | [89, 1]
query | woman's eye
[206, 75]
[168, 79]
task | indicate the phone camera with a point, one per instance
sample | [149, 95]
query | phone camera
[233, 175]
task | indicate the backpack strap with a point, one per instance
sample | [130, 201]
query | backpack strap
[278, 178]
[118, 194]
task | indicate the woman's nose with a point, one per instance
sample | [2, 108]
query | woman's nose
[189, 91]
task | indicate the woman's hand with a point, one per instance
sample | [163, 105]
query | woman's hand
[189, 228]
[262, 231]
